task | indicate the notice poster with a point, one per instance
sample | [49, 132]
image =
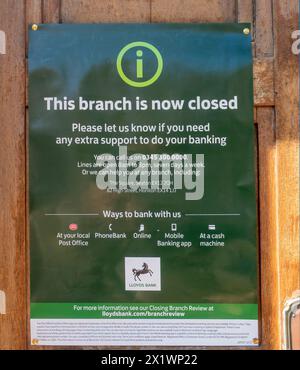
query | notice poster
[142, 185]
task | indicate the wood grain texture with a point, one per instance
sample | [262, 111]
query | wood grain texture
[94, 11]
[33, 11]
[264, 38]
[286, 20]
[12, 176]
[51, 11]
[193, 11]
[264, 93]
[267, 157]
[245, 11]
[263, 71]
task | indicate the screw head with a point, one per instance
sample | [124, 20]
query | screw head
[35, 27]
[255, 341]
[246, 31]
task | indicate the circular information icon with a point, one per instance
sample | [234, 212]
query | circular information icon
[139, 53]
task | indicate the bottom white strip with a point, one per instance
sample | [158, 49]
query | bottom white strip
[149, 332]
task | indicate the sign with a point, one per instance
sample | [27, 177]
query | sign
[142, 187]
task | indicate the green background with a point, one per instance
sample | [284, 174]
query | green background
[212, 61]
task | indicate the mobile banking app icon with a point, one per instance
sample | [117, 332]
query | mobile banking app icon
[139, 64]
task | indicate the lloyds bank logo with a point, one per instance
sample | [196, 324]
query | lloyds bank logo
[139, 64]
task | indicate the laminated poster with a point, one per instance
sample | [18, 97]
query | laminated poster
[142, 185]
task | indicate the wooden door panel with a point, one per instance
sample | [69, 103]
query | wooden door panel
[193, 11]
[93, 11]
[286, 81]
[12, 176]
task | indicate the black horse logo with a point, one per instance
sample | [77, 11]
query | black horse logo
[143, 271]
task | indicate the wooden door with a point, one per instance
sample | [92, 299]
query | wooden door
[276, 111]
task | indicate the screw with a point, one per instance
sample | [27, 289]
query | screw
[35, 27]
[255, 341]
[246, 31]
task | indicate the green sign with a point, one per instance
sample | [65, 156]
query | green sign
[142, 186]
